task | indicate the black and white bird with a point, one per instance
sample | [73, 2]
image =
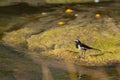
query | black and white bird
[83, 47]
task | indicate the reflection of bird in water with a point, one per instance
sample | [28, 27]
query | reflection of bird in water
[79, 76]
[83, 47]
[96, 1]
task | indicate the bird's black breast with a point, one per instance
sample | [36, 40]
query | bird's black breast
[76, 45]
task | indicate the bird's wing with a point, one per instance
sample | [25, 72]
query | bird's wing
[88, 47]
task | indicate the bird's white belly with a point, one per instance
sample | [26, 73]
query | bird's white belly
[79, 47]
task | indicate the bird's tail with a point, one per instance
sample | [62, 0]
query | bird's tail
[96, 49]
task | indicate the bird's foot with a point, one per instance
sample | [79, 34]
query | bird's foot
[83, 57]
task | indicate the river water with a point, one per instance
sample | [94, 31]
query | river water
[19, 67]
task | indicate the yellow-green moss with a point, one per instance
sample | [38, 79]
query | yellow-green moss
[62, 42]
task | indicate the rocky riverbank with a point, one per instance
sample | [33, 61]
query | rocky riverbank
[96, 26]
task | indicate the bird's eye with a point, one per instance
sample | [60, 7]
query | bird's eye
[76, 40]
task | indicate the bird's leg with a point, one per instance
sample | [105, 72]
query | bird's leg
[83, 54]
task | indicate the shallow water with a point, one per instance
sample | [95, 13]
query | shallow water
[15, 65]
[111, 72]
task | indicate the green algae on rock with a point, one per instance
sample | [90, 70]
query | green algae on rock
[60, 42]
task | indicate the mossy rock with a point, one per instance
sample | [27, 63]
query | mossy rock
[60, 43]
[18, 38]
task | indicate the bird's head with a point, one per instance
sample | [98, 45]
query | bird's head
[77, 41]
